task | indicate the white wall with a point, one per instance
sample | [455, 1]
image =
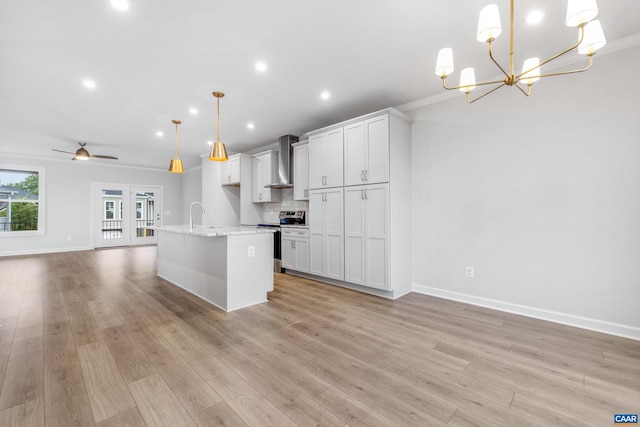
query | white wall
[68, 201]
[541, 195]
[222, 204]
[192, 192]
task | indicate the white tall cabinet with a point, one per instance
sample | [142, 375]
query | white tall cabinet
[230, 170]
[360, 203]
[366, 229]
[326, 233]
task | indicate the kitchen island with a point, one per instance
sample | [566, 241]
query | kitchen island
[230, 267]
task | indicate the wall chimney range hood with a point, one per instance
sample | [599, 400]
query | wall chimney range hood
[284, 179]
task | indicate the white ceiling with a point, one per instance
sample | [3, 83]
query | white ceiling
[160, 58]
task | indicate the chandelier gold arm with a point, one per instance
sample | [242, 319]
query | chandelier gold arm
[564, 52]
[469, 100]
[494, 82]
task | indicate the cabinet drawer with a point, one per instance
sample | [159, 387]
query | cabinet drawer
[295, 232]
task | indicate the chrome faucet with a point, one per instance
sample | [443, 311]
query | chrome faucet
[191, 213]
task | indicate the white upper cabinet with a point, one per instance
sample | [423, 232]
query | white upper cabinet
[301, 171]
[326, 159]
[230, 171]
[263, 166]
[366, 151]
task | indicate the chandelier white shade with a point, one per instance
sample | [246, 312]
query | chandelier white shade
[530, 71]
[580, 14]
[489, 27]
[467, 80]
[593, 38]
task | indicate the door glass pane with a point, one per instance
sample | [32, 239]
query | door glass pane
[111, 222]
[145, 212]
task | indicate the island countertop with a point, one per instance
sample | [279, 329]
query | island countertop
[213, 231]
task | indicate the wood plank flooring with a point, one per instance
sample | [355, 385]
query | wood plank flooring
[97, 339]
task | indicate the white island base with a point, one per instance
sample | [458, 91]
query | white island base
[229, 267]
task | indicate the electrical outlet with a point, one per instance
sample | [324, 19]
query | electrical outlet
[69, 237]
[252, 251]
[470, 272]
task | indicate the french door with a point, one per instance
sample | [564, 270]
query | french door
[125, 214]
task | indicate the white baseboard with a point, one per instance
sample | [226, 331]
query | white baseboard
[617, 329]
[44, 251]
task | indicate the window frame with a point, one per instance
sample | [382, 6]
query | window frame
[41, 202]
[107, 211]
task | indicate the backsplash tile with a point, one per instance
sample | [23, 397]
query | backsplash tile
[270, 211]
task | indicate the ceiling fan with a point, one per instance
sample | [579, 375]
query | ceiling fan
[83, 154]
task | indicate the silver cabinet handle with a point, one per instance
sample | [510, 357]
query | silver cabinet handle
[300, 232]
[366, 175]
[362, 194]
[366, 194]
[362, 175]
[294, 244]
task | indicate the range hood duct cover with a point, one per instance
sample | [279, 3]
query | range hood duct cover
[285, 166]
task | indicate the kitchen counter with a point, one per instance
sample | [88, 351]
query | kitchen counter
[213, 231]
[230, 267]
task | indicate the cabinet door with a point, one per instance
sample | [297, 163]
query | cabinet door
[225, 172]
[354, 154]
[288, 252]
[334, 233]
[316, 156]
[234, 170]
[301, 172]
[316, 232]
[301, 255]
[256, 180]
[377, 150]
[377, 236]
[267, 178]
[354, 235]
[333, 160]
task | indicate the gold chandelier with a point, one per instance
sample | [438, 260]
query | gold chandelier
[580, 14]
[176, 164]
[218, 150]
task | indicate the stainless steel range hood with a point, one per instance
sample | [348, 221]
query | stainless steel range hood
[285, 165]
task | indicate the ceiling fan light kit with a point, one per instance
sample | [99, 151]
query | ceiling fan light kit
[82, 153]
[580, 14]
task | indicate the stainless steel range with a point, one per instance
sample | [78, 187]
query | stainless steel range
[287, 218]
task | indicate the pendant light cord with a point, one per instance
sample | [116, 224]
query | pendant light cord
[176, 140]
[218, 127]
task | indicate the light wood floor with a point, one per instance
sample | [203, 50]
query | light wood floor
[95, 338]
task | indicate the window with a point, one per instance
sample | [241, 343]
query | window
[138, 210]
[120, 204]
[21, 200]
[109, 209]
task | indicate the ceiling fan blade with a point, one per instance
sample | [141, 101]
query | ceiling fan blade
[98, 156]
[62, 151]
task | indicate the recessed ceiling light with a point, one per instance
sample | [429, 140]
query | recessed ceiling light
[159, 134]
[89, 84]
[534, 17]
[325, 95]
[193, 111]
[209, 142]
[261, 66]
[120, 4]
[250, 126]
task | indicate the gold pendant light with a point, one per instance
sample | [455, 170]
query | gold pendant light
[176, 164]
[218, 151]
